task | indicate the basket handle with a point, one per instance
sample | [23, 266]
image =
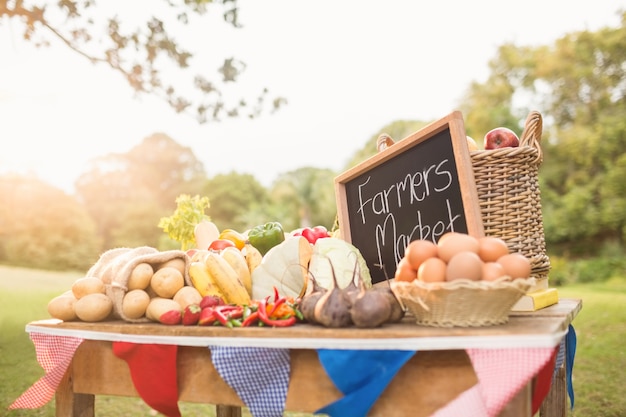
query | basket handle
[531, 136]
[383, 142]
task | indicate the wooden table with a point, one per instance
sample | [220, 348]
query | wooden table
[439, 372]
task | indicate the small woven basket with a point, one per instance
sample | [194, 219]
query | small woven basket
[508, 192]
[461, 303]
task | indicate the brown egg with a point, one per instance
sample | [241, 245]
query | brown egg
[404, 271]
[490, 248]
[515, 265]
[452, 243]
[466, 265]
[492, 271]
[432, 270]
[418, 251]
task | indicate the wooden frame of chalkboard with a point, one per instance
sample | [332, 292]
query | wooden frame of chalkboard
[418, 188]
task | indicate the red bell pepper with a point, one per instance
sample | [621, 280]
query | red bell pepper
[313, 233]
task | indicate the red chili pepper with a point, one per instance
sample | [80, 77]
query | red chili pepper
[263, 316]
[207, 317]
[231, 311]
[221, 317]
[280, 322]
[273, 306]
[251, 319]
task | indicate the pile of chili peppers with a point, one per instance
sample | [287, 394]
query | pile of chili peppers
[281, 312]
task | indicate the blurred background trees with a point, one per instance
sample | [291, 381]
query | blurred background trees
[578, 84]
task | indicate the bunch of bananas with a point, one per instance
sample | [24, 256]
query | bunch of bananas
[226, 273]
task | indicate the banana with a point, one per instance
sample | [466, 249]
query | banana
[237, 261]
[226, 279]
[253, 257]
[203, 281]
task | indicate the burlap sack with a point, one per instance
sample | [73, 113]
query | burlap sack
[115, 266]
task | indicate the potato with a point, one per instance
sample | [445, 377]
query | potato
[62, 307]
[187, 295]
[167, 281]
[87, 285]
[178, 263]
[140, 276]
[135, 303]
[159, 306]
[93, 307]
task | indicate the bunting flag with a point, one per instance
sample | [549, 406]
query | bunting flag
[570, 353]
[469, 403]
[361, 375]
[154, 374]
[54, 354]
[259, 376]
[503, 372]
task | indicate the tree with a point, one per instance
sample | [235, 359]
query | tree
[143, 54]
[306, 198]
[578, 85]
[42, 227]
[126, 194]
[232, 196]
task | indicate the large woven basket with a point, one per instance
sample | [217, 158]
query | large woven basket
[508, 191]
[461, 303]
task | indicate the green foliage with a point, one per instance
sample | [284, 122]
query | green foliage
[126, 194]
[600, 360]
[189, 212]
[233, 195]
[306, 197]
[577, 84]
[41, 226]
[565, 271]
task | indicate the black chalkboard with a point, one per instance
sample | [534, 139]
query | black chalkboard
[418, 188]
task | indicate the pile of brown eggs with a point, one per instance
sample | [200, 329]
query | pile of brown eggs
[461, 256]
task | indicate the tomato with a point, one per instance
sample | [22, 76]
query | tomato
[219, 244]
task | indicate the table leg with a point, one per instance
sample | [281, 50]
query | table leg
[555, 403]
[71, 404]
[227, 411]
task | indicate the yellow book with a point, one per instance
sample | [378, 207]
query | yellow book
[540, 284]
[537, 300]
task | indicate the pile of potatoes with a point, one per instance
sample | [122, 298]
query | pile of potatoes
[151, 290]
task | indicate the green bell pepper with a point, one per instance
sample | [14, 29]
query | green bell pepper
[265, 236]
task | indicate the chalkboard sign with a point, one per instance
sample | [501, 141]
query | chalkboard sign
[418, 188]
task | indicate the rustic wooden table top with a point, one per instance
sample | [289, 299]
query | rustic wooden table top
[543, 328]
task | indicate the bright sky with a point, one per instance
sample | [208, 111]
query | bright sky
[346, 67]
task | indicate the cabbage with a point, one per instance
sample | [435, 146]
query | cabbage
[343, 256]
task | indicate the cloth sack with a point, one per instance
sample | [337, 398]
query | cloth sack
[115, 266]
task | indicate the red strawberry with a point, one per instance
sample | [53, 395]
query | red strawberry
[191, 314]
[211, 301]
[170, 317]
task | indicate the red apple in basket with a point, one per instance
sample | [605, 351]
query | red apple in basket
[501, 137]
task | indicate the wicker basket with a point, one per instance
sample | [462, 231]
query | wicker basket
[461, 303]
[508, 192]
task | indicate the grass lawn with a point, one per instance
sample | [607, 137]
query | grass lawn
[599, 377]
